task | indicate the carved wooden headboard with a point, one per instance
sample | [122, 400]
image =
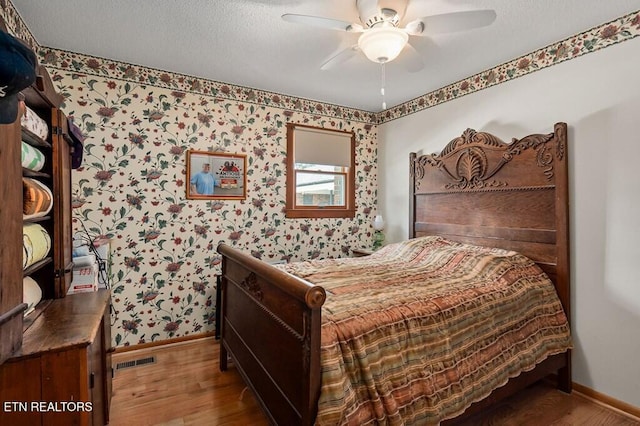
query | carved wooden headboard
[481, 190]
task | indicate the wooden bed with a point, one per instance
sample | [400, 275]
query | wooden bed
[478, 190]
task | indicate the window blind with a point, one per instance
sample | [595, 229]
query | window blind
[324, 147]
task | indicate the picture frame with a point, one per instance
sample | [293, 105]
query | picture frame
[216, 175]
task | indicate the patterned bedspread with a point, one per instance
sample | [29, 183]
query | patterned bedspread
[418, 331]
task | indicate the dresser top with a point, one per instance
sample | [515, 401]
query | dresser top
[71, 321]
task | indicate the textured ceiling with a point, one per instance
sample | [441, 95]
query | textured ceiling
[245, 42]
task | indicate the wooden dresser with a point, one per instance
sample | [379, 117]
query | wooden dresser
[62, 374]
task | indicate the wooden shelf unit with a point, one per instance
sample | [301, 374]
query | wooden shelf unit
[60, 352]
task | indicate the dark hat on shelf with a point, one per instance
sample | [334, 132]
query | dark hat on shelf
[77, 146]
[17, 71]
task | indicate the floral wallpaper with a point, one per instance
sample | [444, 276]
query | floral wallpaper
[131, 189]
[139, 122]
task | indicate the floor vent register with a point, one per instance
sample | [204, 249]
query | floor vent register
[136, 362]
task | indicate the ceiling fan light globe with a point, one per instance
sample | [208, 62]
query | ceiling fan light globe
[383, 44]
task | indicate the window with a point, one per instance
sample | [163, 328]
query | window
[320, 172]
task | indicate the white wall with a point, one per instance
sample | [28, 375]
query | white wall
[598, 96]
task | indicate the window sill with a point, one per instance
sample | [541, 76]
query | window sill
[319, 213]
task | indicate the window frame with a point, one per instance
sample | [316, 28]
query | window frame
[292, 210]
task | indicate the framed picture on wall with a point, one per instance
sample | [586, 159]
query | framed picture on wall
[216, 176]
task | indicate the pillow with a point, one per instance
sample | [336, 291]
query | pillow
[36, 244]
[31, 294]
[37, 199]
[32, 158]
[34, 124]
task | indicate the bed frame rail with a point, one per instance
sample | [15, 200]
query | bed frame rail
[263, 308]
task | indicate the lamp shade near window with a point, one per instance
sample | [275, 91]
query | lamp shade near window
[378, 235]
[378, 223]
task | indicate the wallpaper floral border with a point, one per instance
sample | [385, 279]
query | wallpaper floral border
[15, 24]
[73, 62]
[619, 30]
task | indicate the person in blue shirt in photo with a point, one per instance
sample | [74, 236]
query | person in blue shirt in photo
[203, 183]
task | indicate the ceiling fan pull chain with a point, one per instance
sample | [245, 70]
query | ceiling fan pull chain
[384, 104]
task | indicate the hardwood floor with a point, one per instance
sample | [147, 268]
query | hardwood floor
[185, 387]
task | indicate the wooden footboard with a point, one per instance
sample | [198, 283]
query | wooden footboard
[270, 328]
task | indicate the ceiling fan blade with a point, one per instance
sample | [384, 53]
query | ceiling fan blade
[451, 22]
[320, 22]
[412, 59]
[367, 8]
[340, 57]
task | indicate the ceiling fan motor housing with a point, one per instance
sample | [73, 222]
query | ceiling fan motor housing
[376, 12]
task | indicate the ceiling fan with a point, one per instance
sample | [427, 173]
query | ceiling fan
[382, 39]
